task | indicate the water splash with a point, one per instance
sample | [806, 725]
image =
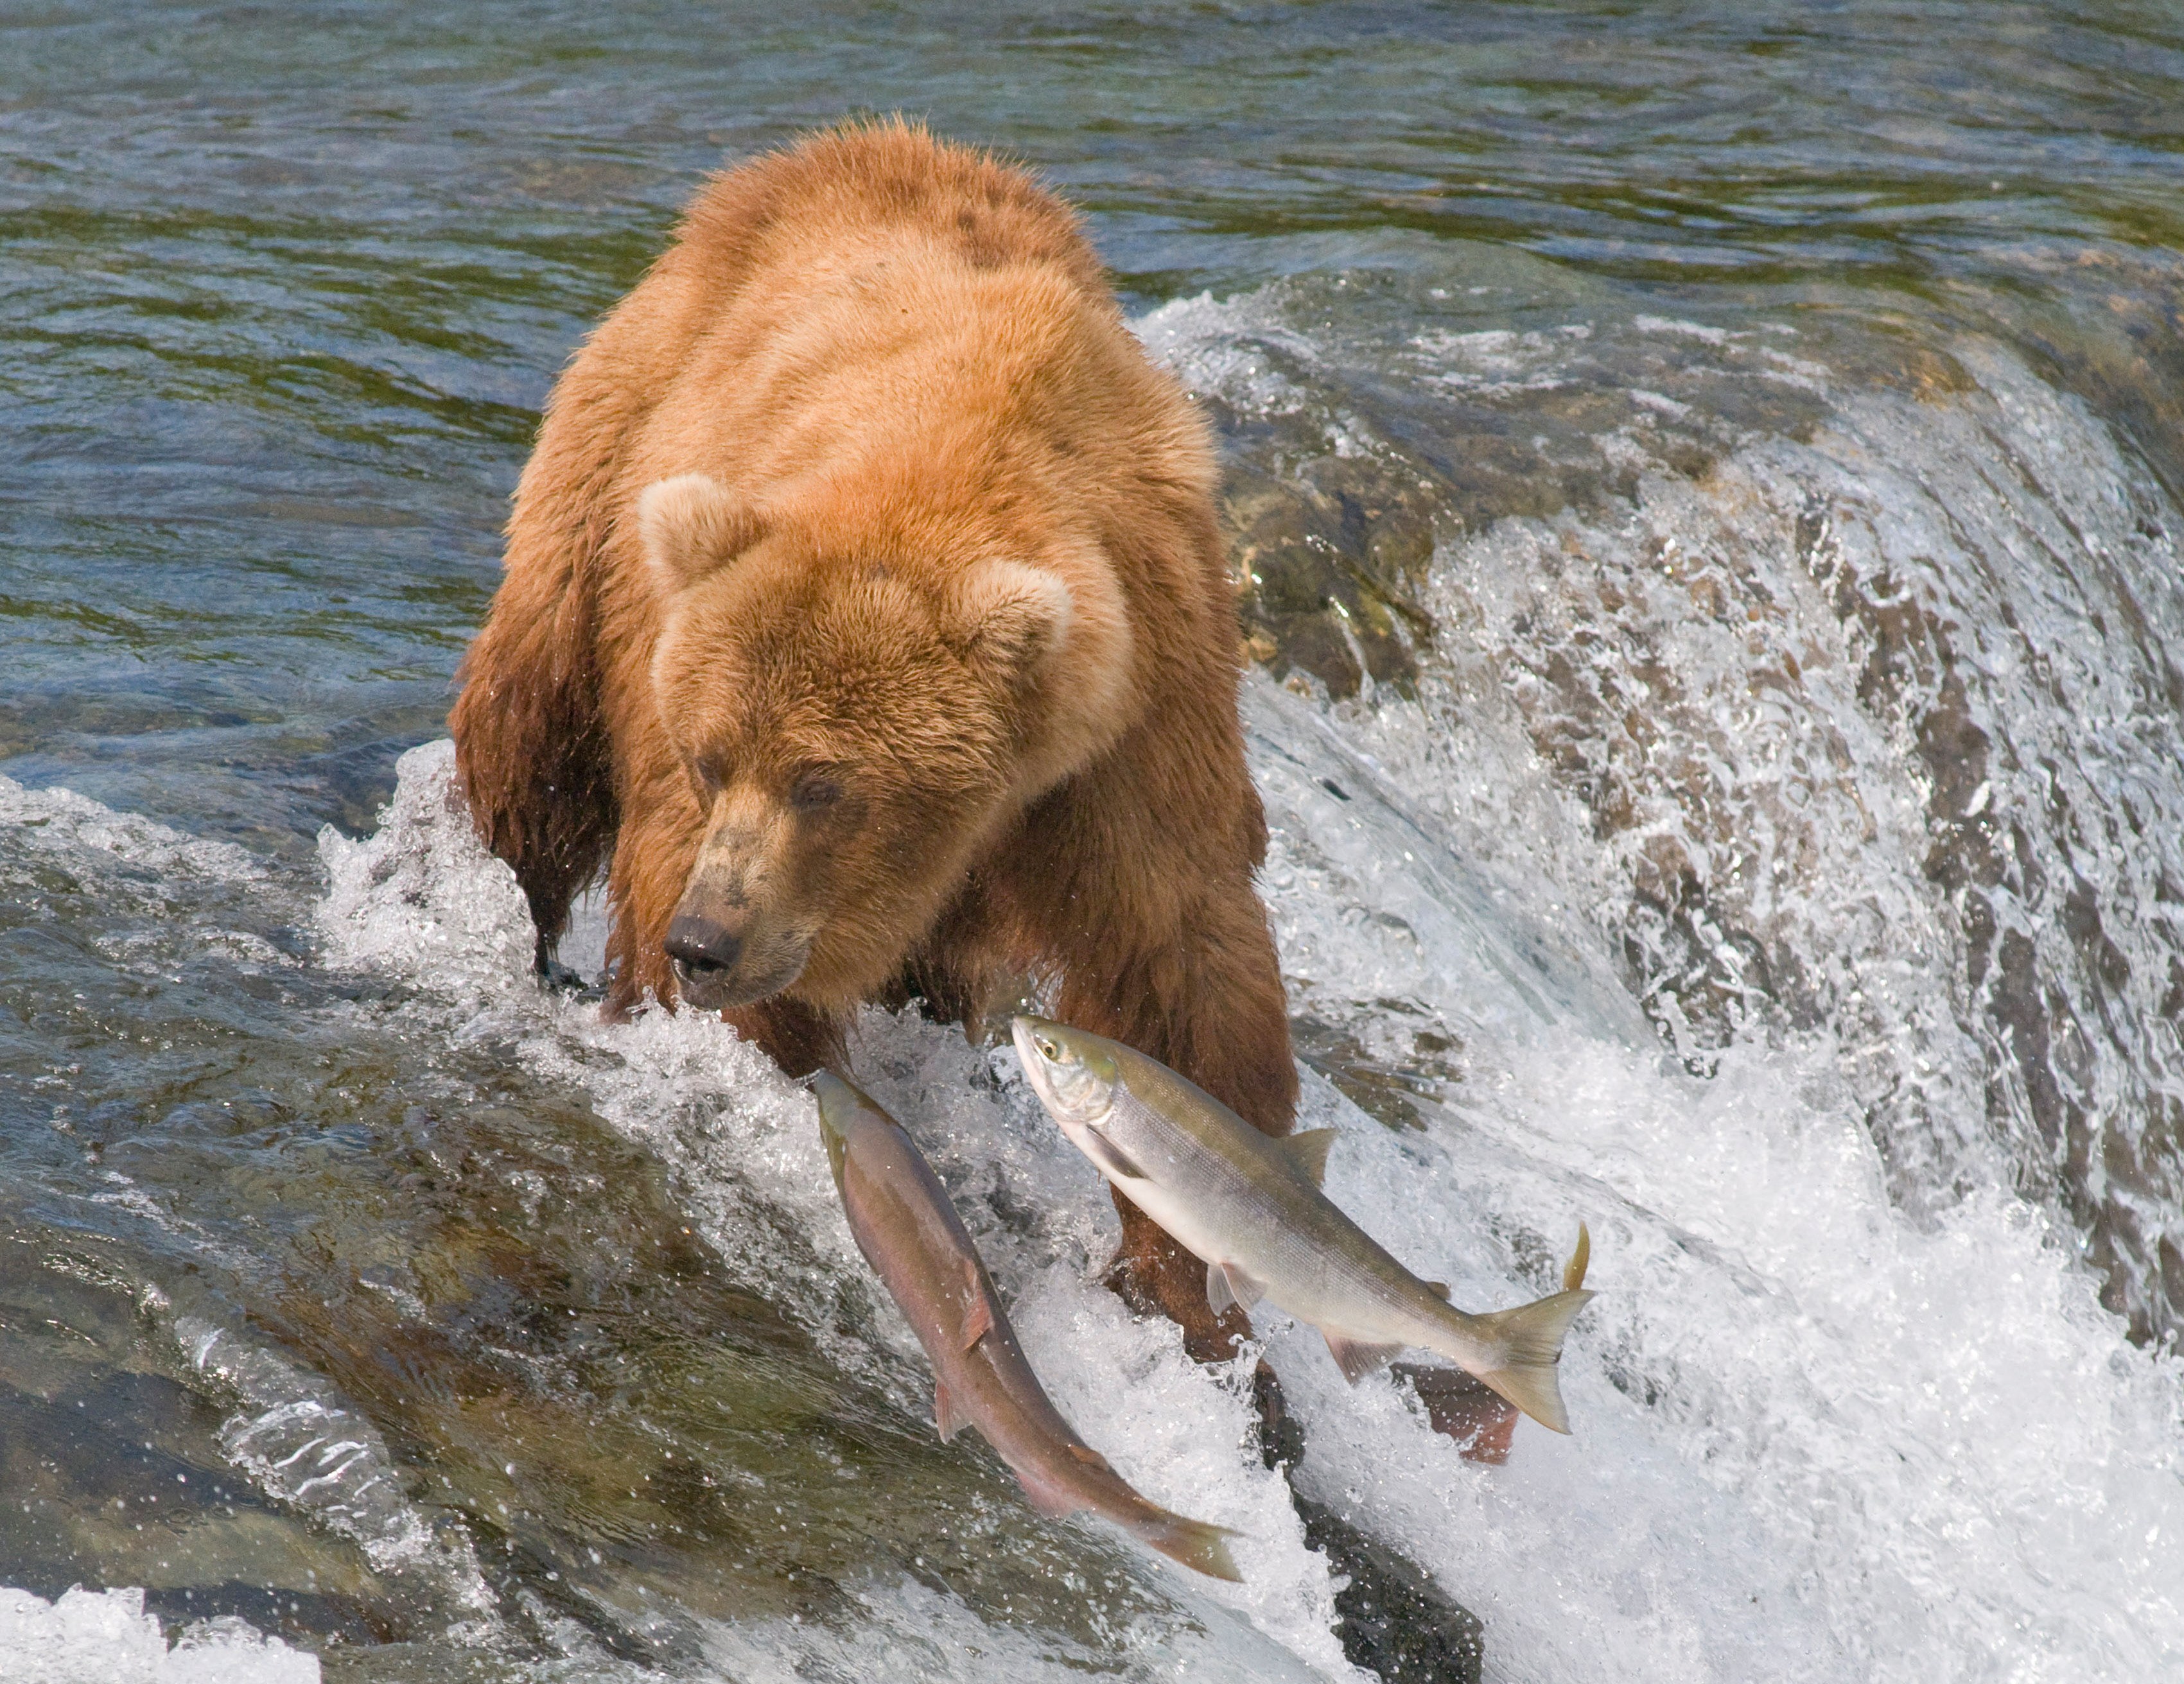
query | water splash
[1804, 1419]
[301, 1443]
[106, 1635]
[1840, 694]
[422, 901]
[1848, 1404]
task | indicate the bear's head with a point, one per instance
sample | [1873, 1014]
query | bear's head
[852, 725]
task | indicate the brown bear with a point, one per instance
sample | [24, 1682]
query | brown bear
[864, 597]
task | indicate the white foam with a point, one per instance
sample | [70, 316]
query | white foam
[1237, 349]
[161, 900]
[420, 898]
[1421, 923]
[67, 827]
[106, 1637]
[1803, 1426]
[1820, 1435]
[910, 1634]
[1687, 329]
[1804, 1423]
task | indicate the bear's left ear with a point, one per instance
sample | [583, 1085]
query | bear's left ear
[691, 525]
[1011, 616]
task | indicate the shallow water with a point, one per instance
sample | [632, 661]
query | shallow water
[1707, 480]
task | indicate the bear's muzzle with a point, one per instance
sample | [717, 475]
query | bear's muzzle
[703, 954]
[715, 966]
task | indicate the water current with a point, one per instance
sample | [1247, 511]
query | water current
[1706, 484]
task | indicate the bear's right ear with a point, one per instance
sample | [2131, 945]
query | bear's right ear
[691, 525]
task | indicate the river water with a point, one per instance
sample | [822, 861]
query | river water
[1705, 481]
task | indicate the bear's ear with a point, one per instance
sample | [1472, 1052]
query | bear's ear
[691, 525]
[1011, 616]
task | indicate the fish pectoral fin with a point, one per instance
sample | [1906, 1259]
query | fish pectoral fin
[1574, 1271]
[1355, 1358]
[1306, 1152]
[979, 1323]
[1111, 1159]
[1438, 1289]
[944, 1417]
[1226, 1285]
[978, 1319]
[1091, 1457]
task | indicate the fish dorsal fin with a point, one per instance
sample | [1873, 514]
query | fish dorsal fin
[1355, 1358]
[1574, 1271]
[944, 1417]
[1226, 1285]
[1111, 1159]
[1306, 1152]
[1438, 1289]
[1091, 1457]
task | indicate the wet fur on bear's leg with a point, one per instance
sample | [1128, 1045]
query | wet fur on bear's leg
[1156, 1277]
[531, 752]
[1211, 1007]
[1162, 942]
[533, 723]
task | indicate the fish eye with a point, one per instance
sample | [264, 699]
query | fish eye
[1047, 1049]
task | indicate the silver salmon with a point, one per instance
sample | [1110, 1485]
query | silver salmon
[904, 1224]
[1248, 1205]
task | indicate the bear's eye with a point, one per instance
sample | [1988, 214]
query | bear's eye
[710, 772]
[813, 790]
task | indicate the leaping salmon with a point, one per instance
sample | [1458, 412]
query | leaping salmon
[908, 1230]
[1250, 1207]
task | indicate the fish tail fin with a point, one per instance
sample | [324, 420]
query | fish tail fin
[1530, 1337]
[1197, 1544]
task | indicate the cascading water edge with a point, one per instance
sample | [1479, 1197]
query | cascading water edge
[1704, 487]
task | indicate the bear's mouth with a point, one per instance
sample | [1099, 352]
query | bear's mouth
[701, 983]
[714, 970]
[714, 987]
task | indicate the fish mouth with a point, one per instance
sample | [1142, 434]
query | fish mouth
[1036, 1049]
[1073, 1082]
[840, 1101]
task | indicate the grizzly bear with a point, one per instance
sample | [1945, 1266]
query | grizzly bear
[863, 596]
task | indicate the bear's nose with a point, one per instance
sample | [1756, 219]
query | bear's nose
[699, 945]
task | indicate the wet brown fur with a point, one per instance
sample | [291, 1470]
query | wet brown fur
[917, 406]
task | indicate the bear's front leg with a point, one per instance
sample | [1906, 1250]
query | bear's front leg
[1207, 1003]
[1156, 1277]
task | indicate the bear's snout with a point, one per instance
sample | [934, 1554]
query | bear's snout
[700, 946]
[732, 961]
[715, 966]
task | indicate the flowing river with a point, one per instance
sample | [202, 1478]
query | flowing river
[1705, 482]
